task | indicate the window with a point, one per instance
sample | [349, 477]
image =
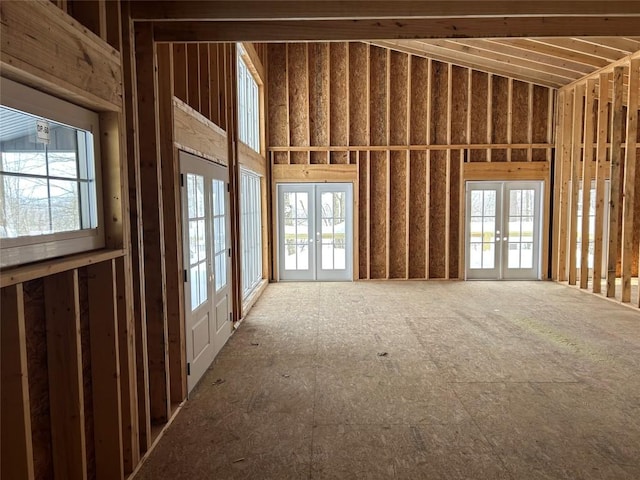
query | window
[251, 231]
[248, 105]
[48, 185]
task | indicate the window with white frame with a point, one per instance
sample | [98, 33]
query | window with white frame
[48, 184]
[251, 231]
[248, 105]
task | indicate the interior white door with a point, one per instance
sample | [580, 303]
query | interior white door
[205, 227]
[503, 230]
[315, 231]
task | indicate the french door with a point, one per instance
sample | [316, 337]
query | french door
[503, 230]
[315, 232]
[205, 231]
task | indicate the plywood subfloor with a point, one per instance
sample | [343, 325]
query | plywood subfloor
[416, 380]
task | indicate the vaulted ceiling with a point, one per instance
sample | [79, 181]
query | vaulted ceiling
[550, 43]
[553, 62]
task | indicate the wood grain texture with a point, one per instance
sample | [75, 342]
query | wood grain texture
[87, 377]
[459, 105]
[615, 200]
[297, 68]
[66, 394]
[196, 134]
[105, 370]
[479, 116]
[499, 116]
[455, 212]
[171, 202]
[363, 213]
[358, 94]
[378, 97]
[127, 353]
[391, 28]
[576, 162]
[44, 47]
[602, 121]
[278, 134]
[539, 120]
[318, 99]
[152, 224]
[629, 249]
[314, 173]
[15, 427]
[339, 90]
[378, 212]
[418, 209]
[520, 119]
[398, 221]
[437, 215]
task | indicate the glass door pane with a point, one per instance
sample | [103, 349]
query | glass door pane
[219, 234]
[521, 239]
[198, 252]
[315, 231]
[295, 212]
[297, 230]
[333, 231]
[483, 230]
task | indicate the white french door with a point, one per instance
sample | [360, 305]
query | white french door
[503, 230]
[315, 231]
[205, 230]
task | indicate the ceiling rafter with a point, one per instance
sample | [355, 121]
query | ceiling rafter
[478, 49]
[448, 56]
[550, 62]
[512, 49]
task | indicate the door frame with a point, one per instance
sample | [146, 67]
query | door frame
[539, 229]
[315, 190]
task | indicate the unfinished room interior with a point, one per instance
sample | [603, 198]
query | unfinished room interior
[319, 239]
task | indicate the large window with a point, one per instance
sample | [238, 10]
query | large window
[248, 105]
[48, 184]
[251, 233]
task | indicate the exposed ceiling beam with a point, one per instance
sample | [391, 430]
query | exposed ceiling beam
[374, 9]
[312, 30]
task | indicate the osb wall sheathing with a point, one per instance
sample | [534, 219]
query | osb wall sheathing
[409, 123]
